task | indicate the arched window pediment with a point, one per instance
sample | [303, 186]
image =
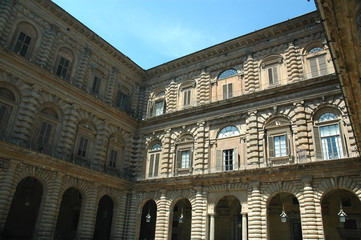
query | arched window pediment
[271, 60]
[229, 131]
[227, 73]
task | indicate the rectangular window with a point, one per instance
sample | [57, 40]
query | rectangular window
[278, 146]
[331, 142]
[228, 160]
[96, 85]
[272, 75]
[113, 158]
[187, 97]
[185, 159]
[159, 108]
[318, 66]
[4, 118]
[44, 134]
[82, 147]
[22, 44]
[227, 91]
[153, 164]
[62, 67]
[123, 101]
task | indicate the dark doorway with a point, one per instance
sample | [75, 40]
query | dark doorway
[228, 219]
[149, 218]
[290, 228]
[103, 223]
[182, 220]
[333, 226]
[68, 216]
[24, 208]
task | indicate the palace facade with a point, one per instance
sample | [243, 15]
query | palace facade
[247, 139]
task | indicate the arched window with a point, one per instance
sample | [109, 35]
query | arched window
[153, 160]
[24, 39]
[64, 63]
[7, 105]
[327, 135]
[279, 139]
[157, 105]
[228, 131]
[123, 99]
[271, 68]
[84, 142]
[227, 73]
[46, 129]
[317, 64]
[114, 155]
[186, 94]
[227, 87]
[227, 157]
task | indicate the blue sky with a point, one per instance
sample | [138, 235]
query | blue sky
[153, 32]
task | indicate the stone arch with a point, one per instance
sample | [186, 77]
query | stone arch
[273, 189]
[322, 107]
[82, 186]
[311, 45]
[13, 89]
[174, 196]
[116, 196]
[24, 26]
[329, 184]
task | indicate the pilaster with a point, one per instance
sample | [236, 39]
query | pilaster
[46, 49]
[256, 222]
[87, 223]
[162, 224]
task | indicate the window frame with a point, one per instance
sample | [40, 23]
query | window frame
[184, 144]
[11, 106]
[273, 64]
[21, 43]
[86, 131]
[153, 161]
[275, 128]
[318, 145]
[227, 91]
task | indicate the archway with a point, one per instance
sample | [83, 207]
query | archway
[288, 228]
[103, 223]
[69, 213]
[334, 227]
[148, 221]
[23, 213]
[181, 220]
[228, 219]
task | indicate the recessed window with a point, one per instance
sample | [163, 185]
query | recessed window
[123, 101]
[228, 131]
[228, 159]
[227, 91]
[62, 67]
[96, 85]
[227, 73]
[328, 140]
[83, 146]
[187, 97]
[113, 159]
[153, 160]
[272, 75]
[22, 44]
[159, 107]
[44, 134]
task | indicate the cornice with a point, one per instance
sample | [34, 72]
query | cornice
[73, 23]
[241, 42]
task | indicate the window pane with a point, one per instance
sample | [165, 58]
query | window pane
[159, 106]
[227, 73]
[228, 159]
[280, 146]
[185, 159]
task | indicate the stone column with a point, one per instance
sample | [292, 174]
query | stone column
[166, 162]
[82, 68]
[252, 139]
[48, 214]
[311, 216]
[111, 86]
[244, 226]
[203, 88]
[46, 49]
[162, 224]
[198, 163]
[211, 226]
[7, 10]
[7, 189]
[87, 222]
[301, 133]
[131, 224]
[119, 213]
[199, 216]
[256, 223]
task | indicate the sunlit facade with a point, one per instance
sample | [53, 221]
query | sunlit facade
[248, 139]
